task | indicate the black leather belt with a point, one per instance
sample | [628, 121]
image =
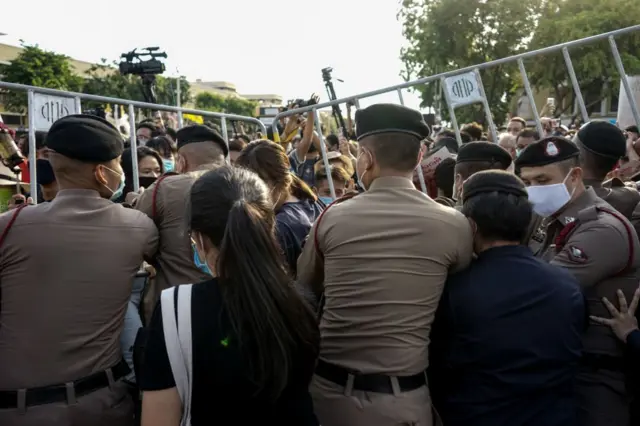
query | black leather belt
[603, 362]
[368, 382]
[58, 393]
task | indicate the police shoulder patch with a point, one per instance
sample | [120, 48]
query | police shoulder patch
[576, 254]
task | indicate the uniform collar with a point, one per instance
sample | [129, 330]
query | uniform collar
[595, 183]
[69, 193]
[391, 182]
[588, 198]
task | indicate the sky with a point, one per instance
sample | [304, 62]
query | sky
[275, 46]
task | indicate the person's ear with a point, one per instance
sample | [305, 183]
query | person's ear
[100, 175]
[181, 164]
[576, 175]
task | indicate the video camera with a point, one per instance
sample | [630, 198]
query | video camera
[142, 67]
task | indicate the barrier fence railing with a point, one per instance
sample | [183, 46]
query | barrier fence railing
[464, 87]
[71, 102]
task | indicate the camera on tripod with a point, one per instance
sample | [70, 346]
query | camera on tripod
[142, 67]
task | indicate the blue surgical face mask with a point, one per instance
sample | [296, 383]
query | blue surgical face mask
[199, 263]
[169, 165]
[326, 200]
[118, 192]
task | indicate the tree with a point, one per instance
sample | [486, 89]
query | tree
[445, 35]
[566, 20]
[37, 67]
[230, 104]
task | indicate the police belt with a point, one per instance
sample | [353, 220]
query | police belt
[369, 382]
[603, 362]
[58, 393]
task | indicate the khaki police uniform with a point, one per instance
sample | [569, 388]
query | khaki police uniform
[166, 202]
[599, 246]
[381, 259]
[174, 262]
[622, 198]
[66, 271]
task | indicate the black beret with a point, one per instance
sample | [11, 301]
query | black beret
[87, 138]
[484, 151]
[450, 143]
[390, 118]
[44, 172]
[200, 133]
[602, 139]
[547, 151]
[493, 181]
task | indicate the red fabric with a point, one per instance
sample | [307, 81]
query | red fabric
[24, 170]
[561, 239]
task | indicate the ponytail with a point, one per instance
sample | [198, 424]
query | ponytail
[270, 321]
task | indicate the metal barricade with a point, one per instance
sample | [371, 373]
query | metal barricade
[468, 95]
[72, 101]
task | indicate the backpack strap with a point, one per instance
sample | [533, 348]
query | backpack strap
[6, 230]
[154, 197]
[176, 320]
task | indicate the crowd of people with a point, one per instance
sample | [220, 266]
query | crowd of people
[245, 281]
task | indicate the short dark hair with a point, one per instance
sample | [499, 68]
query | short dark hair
[597, 164]
[528, 133]
[395, 151]
[162, 145]
[155, 131]
[447, 133]
[444, 176]
[570, 163]
[499, 216]
[337, 174]
[332, 140]
[474, 130]
[466, 137]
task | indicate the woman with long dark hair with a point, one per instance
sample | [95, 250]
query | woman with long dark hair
[295, 204]
[149, 169]
[254, 341]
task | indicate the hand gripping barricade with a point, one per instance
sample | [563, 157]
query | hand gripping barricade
[464, 87]
[66, 103]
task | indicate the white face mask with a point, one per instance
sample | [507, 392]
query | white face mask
[549, 199]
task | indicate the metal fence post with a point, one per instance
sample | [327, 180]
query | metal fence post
[452, 112]
[575, 84]
[323, 151]
[134, 148]
[400, 97]
[78, 104]
[625, 81]
[485, 104]
[33, 174]
[532, 101]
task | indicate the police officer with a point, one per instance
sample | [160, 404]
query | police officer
[200, 149]
[474, 157]
[376, 259]
[496, 341]
[66, 272]
[596, 243]
[601, 146]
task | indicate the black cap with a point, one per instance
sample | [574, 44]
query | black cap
[87, 138]
[484, 151]
[493, 181]
[200, 133]
[44, 172]
[547, 151]
[450, 143]
[602, 139]
[390, 118]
